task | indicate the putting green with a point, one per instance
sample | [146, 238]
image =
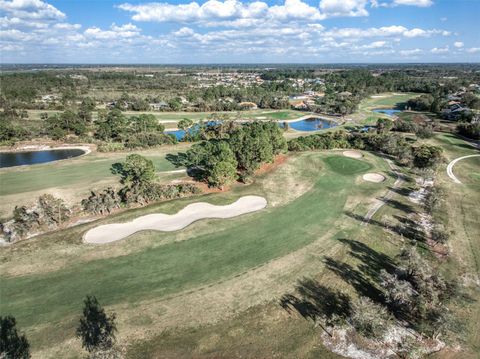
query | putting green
[213, 252]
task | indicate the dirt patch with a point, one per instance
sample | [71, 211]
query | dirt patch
[267, 167]
[352, 154]
[373, 177]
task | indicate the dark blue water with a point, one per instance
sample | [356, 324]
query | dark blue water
[11, 159]
[387, 111]
[310, 124]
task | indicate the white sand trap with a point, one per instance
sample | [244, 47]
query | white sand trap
[353, 154]
[374, 177]
[168, 223]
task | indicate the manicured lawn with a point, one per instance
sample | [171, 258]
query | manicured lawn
[89, 169]
[215, 250]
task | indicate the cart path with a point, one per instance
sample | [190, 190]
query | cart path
[452, 163]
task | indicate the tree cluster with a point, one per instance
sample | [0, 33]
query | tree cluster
[239, 153]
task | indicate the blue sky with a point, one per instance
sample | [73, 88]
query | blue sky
[237, 31]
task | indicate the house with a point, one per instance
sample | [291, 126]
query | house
[302, 106]
[248, 105]
[454, 112]
[157, 106]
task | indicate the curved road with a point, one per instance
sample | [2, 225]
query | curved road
[451, 164]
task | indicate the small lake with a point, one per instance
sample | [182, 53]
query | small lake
[11, 159]
[387, 111]
[310, 124]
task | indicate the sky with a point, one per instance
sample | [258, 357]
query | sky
[237, 31]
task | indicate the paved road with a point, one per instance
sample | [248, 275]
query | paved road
[380, 202]
[451, 164]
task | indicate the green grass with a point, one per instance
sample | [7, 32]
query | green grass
[216, 250]
[87, 170]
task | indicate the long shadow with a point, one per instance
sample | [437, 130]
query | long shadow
[178, 160]
[356, 278]
[400, 206]
[313, 300]
[407, 228]
[403, 191]
[372, 262]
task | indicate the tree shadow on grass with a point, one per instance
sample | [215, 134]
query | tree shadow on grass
[314, 301]
[407, 228]
[178, 160]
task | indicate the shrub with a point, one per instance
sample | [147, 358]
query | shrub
[110, 147]
[368, 318]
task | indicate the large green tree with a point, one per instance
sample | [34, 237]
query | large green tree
[96, 329]
[135, 171]
[12, 344]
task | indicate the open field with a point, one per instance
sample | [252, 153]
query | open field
[71, 179]
[139, 276]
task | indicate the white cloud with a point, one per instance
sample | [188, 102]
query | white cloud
[473, 50]
[385, 31]
[115, 32]
[343, 7]
[410, 53]
[240, 14]
[458, 44]
[419, 3]
[31, 9]
[65, 26]
[440, 50]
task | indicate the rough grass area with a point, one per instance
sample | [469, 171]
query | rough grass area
[69, 178]
[150, 266]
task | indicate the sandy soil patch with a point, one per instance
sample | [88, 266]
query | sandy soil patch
[352, 154]
[373, 177]
[163, 222]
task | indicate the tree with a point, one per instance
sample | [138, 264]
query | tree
[113, 126]
[96, 329]
[368, 318]
[426, 156]
[384, 125]
[12, 344]
[135, 171]
[215, 160]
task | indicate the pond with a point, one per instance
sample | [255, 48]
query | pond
[387, 111]
[310, 124]
[11, 159]
[180, 134]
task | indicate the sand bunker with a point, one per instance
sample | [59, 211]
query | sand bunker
[353, 154]
[374, 177]
[168, 223]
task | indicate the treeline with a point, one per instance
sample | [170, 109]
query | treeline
[112, 129]
[423, 156]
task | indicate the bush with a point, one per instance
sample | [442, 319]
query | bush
[426, 156]
[368, 318]
[149, 139]
[110, 147]
[470, 130]
[424, 131]
[101, 202]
